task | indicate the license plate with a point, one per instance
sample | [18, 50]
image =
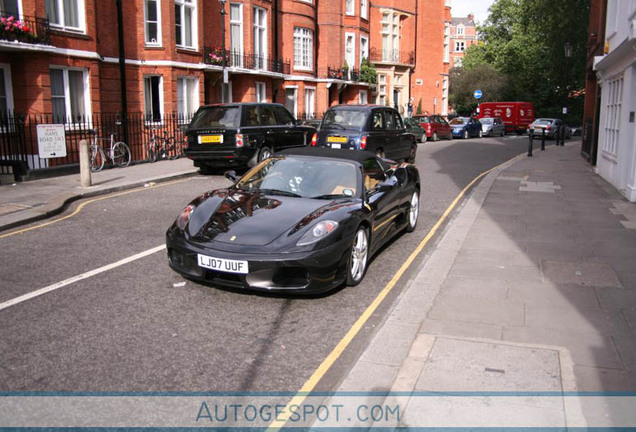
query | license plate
[222, 264]
[333, 139]
[207, 139]
[336, 146]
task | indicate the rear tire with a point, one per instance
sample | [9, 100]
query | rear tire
[358, 257]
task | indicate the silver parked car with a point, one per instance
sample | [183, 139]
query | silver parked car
[492, 126]
[550, 125]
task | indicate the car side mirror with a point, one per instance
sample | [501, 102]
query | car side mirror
[231, 175]
[387, 184]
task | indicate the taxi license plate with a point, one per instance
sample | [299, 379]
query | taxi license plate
[207, 139]
[333, 139]
[222, 264]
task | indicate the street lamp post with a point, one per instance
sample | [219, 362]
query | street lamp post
[225, 80]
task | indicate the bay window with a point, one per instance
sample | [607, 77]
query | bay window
[303, 48]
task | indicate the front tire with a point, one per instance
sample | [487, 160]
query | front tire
[465, 135]
[413, 212]
[121, 154]
[97, 158]
[434, 138]
[358, 256]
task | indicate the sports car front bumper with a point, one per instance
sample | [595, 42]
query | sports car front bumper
[300, 272]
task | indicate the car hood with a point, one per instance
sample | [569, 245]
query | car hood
[237, 217]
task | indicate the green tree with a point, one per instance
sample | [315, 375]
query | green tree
[464, 82]
[524, 40]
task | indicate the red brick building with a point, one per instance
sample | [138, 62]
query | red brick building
[463, 35]
[74, 59]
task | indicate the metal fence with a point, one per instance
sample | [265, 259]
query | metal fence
[19, 151]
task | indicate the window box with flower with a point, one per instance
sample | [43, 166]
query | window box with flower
[215, 57]
[12, 28]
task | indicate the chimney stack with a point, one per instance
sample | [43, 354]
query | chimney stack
[471, 17]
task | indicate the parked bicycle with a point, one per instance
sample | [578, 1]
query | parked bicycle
[118, 152]
[162, 148]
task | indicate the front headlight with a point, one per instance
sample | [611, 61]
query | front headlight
[184, 217]
[321, 230]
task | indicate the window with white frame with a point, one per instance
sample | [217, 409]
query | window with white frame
[153, 98]
[612, 126]
[185, 15]
[364, 48]
[69, 95]
[310, 102]
[381, 89]
[187, 96]
[152, 22]
[446, 43]
[261, 92]
[460, 46]
[65, 14]
[236, 34]
[260, 37]
[6, 93]
[350, 49]
[291, 101]
[363, 97]
[364, 9]
[303, 48]
[390, 36]
[10, 7]
[350, 7]
[460, 31]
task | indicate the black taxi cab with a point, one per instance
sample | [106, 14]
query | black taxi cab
[242, 134]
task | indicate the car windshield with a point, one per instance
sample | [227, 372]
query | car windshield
[303, 177]
[422, 119]
[459, 121]
[486, 120]
[344, 119]
[216, 117]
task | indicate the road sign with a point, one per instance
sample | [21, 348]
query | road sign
[477, 94]
[51, 141]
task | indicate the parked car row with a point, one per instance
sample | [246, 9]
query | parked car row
[244, 134]
[550, 125]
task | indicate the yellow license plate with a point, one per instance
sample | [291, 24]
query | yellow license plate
[206, 139]
[333, 139]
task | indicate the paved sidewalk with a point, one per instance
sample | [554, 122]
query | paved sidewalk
[531, 289]
[29, 201]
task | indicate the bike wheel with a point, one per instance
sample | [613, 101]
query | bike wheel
[152, 152]
[174, 149]
[121, 154]
[97, 158]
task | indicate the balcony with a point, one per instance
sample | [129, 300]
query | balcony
[31, 30]
[245, 61]
[392, 56]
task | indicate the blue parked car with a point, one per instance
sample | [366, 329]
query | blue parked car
[464, 127]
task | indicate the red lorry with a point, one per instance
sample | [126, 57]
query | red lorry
[515, 115]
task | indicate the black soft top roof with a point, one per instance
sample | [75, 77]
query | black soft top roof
[350, 155]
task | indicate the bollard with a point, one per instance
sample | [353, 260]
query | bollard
[530, 138]
[85, 163]
[562, 134]
[543, 138]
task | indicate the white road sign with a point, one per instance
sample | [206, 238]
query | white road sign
[51, 141]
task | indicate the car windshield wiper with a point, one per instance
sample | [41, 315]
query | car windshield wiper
[329, 196]
[279, 192]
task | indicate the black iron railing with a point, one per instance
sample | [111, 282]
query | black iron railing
[19, 139]
[346, 74]
[25, 29]
[392, 56]
[214, 56]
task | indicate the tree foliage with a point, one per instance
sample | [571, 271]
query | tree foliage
[522, 52]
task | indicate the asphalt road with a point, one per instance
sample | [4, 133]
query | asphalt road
[136, 327]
